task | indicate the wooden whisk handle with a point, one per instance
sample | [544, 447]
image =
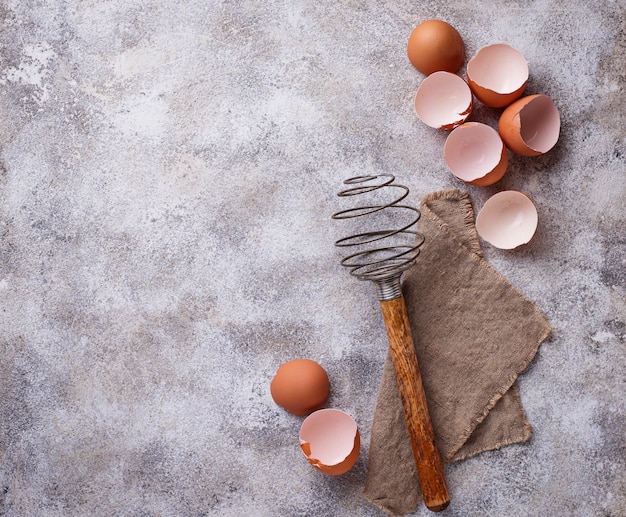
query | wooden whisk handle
[427, 457]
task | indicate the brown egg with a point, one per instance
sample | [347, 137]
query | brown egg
[435, 45]
[300, 386]
[530, 126]
[330, 440]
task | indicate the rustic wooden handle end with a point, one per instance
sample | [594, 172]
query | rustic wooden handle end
[419, 425]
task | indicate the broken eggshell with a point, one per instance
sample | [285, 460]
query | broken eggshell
[531, 125]
[507, 220]
[443, 101]
[497, 75]
[330, 440]
[475, 154]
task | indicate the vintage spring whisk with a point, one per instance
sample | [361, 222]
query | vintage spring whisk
[382, 253]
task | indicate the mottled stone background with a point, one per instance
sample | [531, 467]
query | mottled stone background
[167, 175]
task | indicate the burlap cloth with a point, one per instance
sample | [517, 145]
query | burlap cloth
[474, 333]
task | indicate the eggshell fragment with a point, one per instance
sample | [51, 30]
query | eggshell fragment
[531, 125]
[443, 101]
[507, 220]
[475, 154]
[330, 440]
[300, 386]
[497, 75]
[434, 45]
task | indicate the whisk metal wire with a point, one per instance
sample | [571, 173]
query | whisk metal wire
[392, 258]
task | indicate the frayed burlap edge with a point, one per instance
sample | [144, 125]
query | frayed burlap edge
[468, 213]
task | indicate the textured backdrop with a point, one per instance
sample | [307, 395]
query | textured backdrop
[167, 175]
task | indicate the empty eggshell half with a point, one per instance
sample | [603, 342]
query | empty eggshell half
[443, 100]
[475, 154]
[507, 220]
[330, 440]
[531, 125]
[497, 75]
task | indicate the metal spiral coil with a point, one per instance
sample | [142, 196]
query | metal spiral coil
[383, 252]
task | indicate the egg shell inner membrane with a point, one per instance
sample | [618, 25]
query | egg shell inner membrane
[499, 68]
[330, 434]
[442, 99]
[540, 124]
[473, 150]
[507, 220]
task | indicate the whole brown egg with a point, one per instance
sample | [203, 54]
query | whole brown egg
[300, 386]
[434, 46]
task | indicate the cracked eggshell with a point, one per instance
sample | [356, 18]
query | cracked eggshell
[497, 74]
[330, 440]
[475, 154]
[531, 125]
[507, 220]
[443, 101]
[300, 386]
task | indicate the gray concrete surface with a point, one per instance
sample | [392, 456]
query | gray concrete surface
[168, 172]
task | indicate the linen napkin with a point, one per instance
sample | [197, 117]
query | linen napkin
[474, 334]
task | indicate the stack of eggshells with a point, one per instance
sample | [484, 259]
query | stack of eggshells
[475, 152]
